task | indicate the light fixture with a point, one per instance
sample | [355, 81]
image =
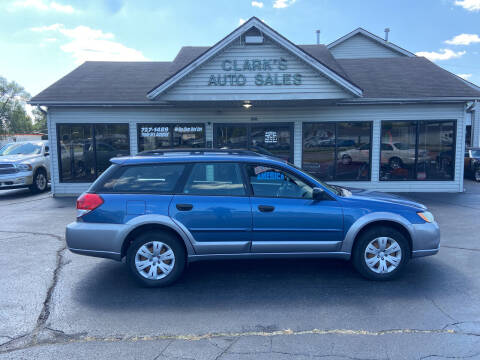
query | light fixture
[247, 104]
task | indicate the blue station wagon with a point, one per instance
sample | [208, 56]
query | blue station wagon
[162, 210]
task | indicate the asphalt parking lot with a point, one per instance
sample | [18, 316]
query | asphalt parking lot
[57, 304]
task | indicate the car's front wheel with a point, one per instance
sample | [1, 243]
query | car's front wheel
[380, 253]
[40, 181]
[477, 175]
[156, 259]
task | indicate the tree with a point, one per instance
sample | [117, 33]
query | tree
[13, 117]
[39, 121]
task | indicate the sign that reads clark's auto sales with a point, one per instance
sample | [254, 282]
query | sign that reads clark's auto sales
[265, 72]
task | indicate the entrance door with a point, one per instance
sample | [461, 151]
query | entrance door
[275, 139]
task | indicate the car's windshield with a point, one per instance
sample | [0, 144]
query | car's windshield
[475, 153]
[21, 149]
[401, 146]
[337, 190]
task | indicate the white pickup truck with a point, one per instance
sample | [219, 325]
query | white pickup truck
[25, 164]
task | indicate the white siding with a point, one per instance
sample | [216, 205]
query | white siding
[297, 115]
[360, 46]
[195, 85]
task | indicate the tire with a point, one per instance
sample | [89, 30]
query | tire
[40, 182]
[157, 276]
[476, 175]
[346, 159]
[371, 238]
[395, 163]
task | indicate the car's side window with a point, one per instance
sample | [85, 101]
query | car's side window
[224, 179]
[151, 178]
[272, 182]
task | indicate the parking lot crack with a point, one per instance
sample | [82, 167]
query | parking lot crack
[459, 248]
[439, 308]
[57, 237]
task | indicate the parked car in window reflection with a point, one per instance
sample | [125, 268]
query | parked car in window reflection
[472, 163]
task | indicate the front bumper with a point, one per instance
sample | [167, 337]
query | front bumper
[96, 239]
[21, 179]
[425, 239]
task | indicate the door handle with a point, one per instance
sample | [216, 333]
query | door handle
[184, 207]
[266, 208]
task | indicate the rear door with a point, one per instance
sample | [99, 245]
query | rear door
[286, 218]
[215, 208]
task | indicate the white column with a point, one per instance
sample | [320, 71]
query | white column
[375, 165]
[476, 126]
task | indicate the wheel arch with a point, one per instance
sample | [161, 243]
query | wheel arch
[372, 220]
[156, 224]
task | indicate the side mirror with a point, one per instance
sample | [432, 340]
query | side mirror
[46, 154]
[318, 194]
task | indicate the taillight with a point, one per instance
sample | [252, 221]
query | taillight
[89, 202]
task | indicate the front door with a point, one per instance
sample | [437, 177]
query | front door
[275, 139]
[215, 208]
[286, 218]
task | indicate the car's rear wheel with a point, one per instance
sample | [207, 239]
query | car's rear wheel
[156, 259]
[380, 253]
[40, 181]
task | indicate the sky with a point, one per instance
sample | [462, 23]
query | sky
[43, 40]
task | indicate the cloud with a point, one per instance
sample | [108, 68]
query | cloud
[258, 4]
[465, 76]
[281, 4]
[464, 39]
[241, 21]
[87, 44]
[444, 54]
[42, 5]
[470, 5]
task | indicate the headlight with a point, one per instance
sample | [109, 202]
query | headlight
[24, 167]
[427, 216]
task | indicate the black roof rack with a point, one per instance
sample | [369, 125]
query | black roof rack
[198, 151]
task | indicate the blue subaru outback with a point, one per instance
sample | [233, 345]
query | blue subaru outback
[161, 211]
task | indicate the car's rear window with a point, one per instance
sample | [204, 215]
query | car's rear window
[159, 178]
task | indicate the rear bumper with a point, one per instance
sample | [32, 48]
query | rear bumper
[425, 239]
[94, 239]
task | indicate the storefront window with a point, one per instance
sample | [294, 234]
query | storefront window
[417, 150]
[267, 139]
[85, 150]
[157, 136]
[337, 151]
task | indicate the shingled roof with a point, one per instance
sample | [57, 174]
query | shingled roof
[129, 82]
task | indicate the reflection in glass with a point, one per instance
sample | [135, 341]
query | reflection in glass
[433, 159]
[110, 141]
[275, 139]
[233, 137]
[353, 151]
[397, 150]
[436, 153]
[75, 152]
[188, 136]
[319, 149]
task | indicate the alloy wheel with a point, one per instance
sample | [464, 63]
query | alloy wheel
[41, 181]
[383, 255]
[154, 260]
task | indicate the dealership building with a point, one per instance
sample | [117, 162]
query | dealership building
[359, 112]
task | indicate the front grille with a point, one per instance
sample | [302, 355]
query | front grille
[6, 169]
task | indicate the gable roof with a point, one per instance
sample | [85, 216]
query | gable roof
[405, 78]
[373, 37]
[275, 36]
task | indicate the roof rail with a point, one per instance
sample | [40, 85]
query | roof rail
[198, 151]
